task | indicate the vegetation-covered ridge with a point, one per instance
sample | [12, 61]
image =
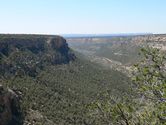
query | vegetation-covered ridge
[53, 85]
[27, 54]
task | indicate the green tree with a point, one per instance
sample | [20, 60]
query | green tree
[147, 106]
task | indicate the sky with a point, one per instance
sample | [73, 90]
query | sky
[82, 16]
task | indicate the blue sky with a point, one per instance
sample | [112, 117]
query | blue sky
[82, 16]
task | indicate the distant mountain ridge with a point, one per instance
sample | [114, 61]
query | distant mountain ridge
[102, 35]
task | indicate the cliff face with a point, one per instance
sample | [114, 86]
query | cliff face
[26, 54]
[35, 44]
[10, 113]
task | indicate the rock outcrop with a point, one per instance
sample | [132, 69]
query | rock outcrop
[10, 113]
[25, 54]
[35, 44]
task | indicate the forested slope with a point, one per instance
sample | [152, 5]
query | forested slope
[54, 84]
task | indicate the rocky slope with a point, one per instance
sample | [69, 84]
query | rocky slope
[10, 112]
[55, 86]
[26, 54]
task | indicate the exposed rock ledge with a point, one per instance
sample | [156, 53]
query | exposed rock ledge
[36, 44]
[10, 113]
[28, 54]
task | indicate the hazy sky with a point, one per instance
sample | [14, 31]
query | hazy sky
[82, 16]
